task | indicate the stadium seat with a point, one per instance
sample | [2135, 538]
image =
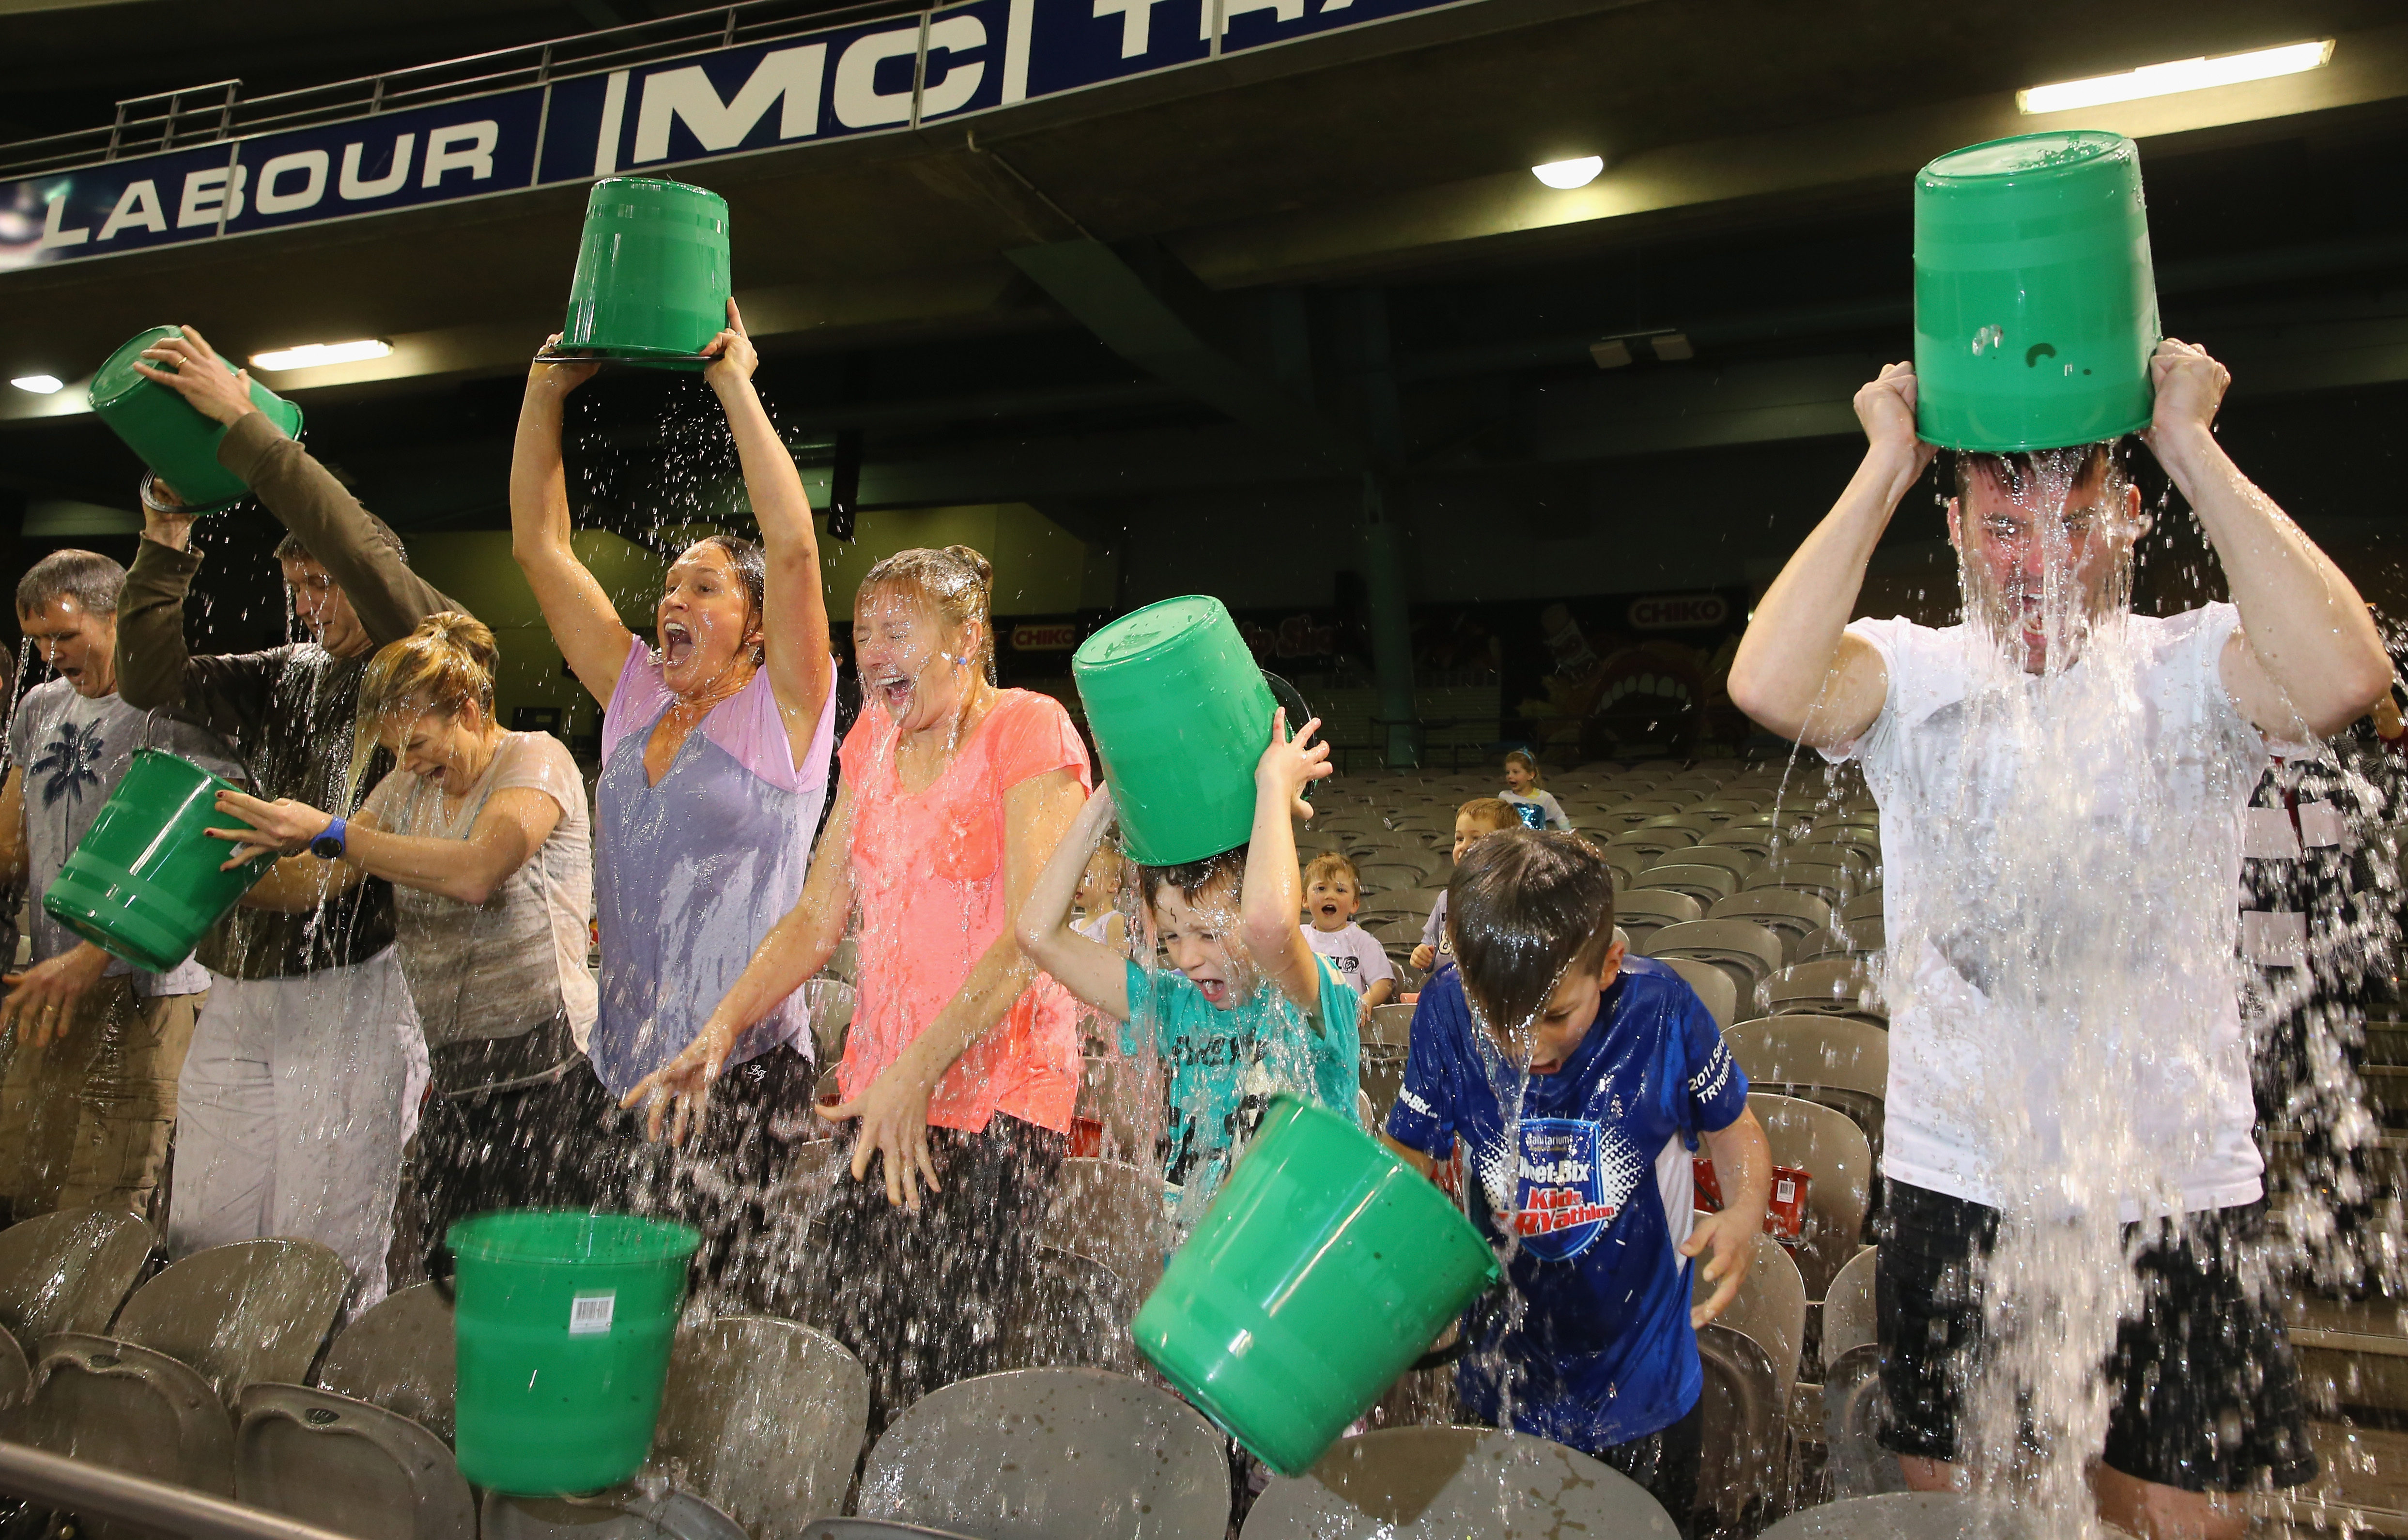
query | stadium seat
[1738, 863]
[346, 1466]
[1856, 938]
[1748, 953]
[627, 1512]
[131, 1409]
[1849, 1318]
[68, 1271]
[1836, 1061]
[1031, 1454]
[764, 1419]
[1862, 906]
[1642, 911]
[829, 1003]
[1421, 1483]
[1074, 1314]
[843, 963]
[1391, 1026]
[1124, 1097]
[398, 1355]
[1110, 1211]
[253, 1310]
[1745, 1460]
[1714, 987]
[1830, 986]
[1770, 1311]
[1792, 917]
[1837, 1158]
[1753, 840]
[1913, 1516]
[1706, 884]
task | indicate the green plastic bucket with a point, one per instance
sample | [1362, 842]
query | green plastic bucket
[2035, 305]
[1181, 716]
[563, 1322]
[143, 883]
[652, 279]
[170, 437]
[1322, 1271]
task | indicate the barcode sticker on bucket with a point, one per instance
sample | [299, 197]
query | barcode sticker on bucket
[589, 1315]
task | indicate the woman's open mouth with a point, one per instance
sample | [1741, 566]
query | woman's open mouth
[894, 690]
[676, 644]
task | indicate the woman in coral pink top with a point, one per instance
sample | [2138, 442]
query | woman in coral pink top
[962, 1062]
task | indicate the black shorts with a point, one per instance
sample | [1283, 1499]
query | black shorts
[2208, 1396]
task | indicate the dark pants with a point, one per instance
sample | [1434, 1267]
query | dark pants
[759, 1116]
[1666, 1464]
[923, 1299]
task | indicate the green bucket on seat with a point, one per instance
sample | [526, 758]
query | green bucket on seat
[563, 1324]
[1322, 1269]
[166, 431]
[143, 883]
[2035, 304]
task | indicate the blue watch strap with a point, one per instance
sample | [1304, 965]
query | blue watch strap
[329, 843]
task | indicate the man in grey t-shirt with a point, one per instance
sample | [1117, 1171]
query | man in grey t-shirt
[89, 1095]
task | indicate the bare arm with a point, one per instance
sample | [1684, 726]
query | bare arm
[1425, 1164]
[582, 619]
[1094, 971]
[1743, 1169]
[1797, 673]
[512, 825]
[2307, 661]
[1270, 900]
[795, 617]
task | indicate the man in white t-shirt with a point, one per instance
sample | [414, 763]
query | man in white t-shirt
[2061, 785]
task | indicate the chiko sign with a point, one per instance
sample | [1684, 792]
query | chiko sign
[1679, 611]
[886, 76]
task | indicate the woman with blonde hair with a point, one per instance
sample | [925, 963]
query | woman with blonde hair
[485, 837]
[961, 1065]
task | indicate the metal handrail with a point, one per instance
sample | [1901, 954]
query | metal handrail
[95, 1491]
[427, 85]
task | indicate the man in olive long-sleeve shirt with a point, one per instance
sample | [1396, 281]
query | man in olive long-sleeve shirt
[306, 1063]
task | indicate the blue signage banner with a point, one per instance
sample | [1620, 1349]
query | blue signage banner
[897, 73]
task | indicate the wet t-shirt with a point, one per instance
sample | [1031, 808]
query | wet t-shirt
[928, 878]
[1434, 934]
[1357, 954]
[692, 872]
[1226, 1064]
[73, 751]
[1592, 1181]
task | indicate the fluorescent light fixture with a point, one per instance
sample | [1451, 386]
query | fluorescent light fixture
[39, 384]
[1673, 347]
[2175, 75]
[1566, 175]
[314, 354]
[1611, 354]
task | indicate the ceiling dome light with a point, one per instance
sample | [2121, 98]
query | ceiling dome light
[1565, 174]
[39, 384]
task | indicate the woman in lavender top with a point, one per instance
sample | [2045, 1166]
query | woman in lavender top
[715, 750]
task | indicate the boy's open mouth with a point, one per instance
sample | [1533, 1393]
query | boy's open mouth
[1328, 910]
[1213, 989]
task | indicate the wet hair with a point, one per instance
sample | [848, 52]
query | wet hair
[751, 564]
[1495, 812]
[2015, 473]
[1527, 909]
[1331, 864]
[957, 583]
[289, 549]
[1529, 761]
[1191, 877]
[444, 666]
[87, 576]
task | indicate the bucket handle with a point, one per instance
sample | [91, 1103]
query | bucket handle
[439, 1272]
[1476, 1322]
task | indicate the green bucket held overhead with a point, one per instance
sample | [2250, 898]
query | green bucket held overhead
[651, 281]
[1181, 716]
[563, 1324]
[170, 437]
[2035, 305]
[1319, 1275]
[143, 883]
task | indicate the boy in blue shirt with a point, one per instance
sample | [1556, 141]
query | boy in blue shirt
[1250, 1008]
[1610, 1066]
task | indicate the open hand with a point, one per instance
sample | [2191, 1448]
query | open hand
[282, 828]
[1291, 764]
[559, 378]
[1733, 1237]
[42, 999]
[1886, 406]
[893, 1113]
[189, 366]
[682, 1086]
[732, 356]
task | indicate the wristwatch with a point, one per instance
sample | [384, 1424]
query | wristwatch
[329, 844]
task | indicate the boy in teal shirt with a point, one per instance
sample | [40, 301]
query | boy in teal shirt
[1250, 1008]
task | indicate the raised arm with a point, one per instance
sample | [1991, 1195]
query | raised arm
[1797, 672]
[227, 694]
[1272, 903]
[795, 617]
[583, 621]
[1088, 969]
[389, 598]
[2307, 661]
[796, 949]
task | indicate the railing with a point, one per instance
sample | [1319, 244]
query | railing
[95, 1491]
[206, 114]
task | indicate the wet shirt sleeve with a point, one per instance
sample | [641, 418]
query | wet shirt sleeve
[1434, 928]
[1371, 965]
[1142, 1032]
[1337, 1045]
[1426, 1114]
[1034, 736]
[1714, 1092]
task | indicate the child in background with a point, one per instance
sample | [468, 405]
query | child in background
[1332, 893]
[1525, 788]
[1099, 891]
[1247, 1009]
[1478, 816]
[1625, 1070]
